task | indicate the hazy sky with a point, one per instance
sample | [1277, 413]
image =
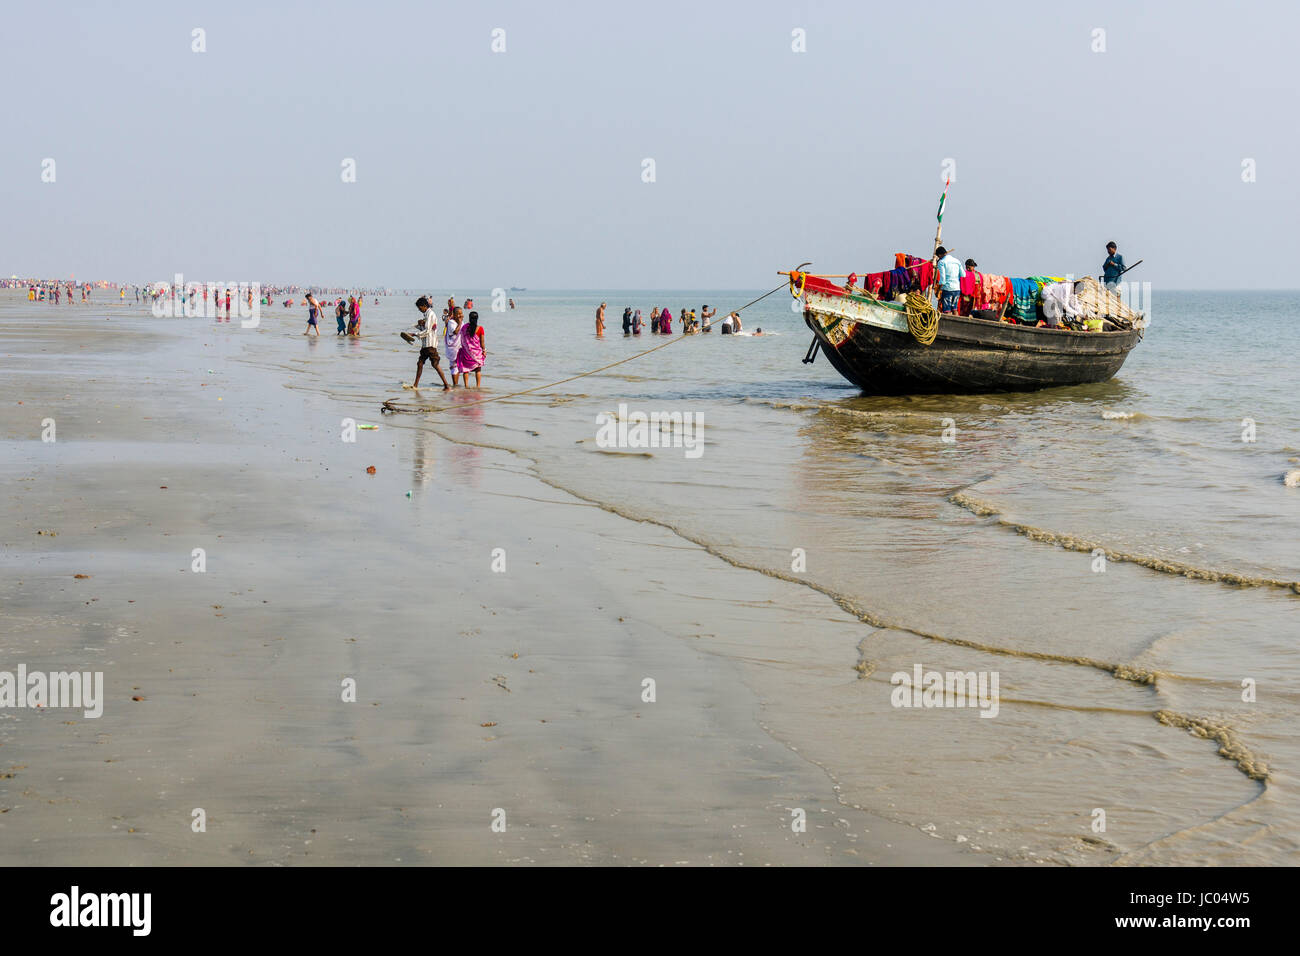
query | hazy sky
[477, 169]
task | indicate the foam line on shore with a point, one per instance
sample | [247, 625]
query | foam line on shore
[1073, 543]
[1231, 747]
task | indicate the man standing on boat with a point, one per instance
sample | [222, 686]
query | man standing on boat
[1113, 267]
[950, 276]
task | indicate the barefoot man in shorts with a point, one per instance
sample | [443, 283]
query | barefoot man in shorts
[427, 335]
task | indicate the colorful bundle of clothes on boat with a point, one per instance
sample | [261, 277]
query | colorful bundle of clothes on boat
[982, 291]
[1024, 300]
[1016, 300]
[1060, 304]
[909, 272]
[1027, 297]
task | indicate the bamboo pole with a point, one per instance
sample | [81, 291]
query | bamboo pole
[938, 233]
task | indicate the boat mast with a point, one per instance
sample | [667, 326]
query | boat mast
[938, 232]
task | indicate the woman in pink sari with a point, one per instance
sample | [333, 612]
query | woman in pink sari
[354, 316]
[666, 322]
[469, 358]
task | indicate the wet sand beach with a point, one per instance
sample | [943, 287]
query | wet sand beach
[1114, 555]
[476, 691]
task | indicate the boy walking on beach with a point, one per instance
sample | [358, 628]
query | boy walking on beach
[427, 335]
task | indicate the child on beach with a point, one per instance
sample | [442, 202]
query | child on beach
[469, 358]
[426, 334]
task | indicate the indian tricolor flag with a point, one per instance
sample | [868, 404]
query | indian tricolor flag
[944, 198]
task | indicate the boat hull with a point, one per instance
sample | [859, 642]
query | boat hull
[869, 343]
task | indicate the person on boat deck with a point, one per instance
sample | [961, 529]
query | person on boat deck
[970, 284]
[1113, 267]
[950, 275]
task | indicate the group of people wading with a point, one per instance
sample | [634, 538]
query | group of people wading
[661, 321]
[346, 313]
[462, 339]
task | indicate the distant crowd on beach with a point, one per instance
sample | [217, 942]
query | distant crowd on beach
[661, 321]
[198, 298]
[56, 292]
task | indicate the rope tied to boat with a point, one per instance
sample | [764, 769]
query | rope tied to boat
[922, 317]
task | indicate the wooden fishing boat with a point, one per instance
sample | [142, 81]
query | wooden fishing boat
[872, 343]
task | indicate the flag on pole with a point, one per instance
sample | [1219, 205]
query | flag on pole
[943, 198]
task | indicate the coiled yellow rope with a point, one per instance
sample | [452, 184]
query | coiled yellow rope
[922, 318]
